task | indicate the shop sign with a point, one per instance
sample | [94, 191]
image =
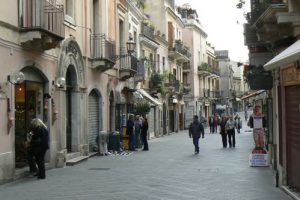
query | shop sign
[258, 160]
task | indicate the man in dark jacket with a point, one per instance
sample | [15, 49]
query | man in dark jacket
[195, 131]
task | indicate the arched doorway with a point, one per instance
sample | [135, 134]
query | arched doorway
[72, 98]
[71, 83]
[94, 119]
[111, 112]
[29, 101]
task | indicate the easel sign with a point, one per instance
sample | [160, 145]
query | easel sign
[258, 160]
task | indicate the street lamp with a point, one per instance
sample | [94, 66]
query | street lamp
[130, 46]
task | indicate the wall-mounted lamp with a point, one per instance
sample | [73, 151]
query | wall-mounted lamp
[60, 82]
[16, 78]
[130, 47]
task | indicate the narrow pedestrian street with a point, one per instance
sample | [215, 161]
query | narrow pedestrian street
[169, 171]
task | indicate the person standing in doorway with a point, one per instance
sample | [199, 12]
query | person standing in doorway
[39, 144]
[195, 131]
[230, 129]
[144, 133]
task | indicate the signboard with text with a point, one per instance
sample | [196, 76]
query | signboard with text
[258, 160]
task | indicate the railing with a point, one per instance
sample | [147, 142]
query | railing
[209, 68]
[211, 93]
[148, 31]
[127, 61]
[42, 15]
[180, 48]
[186, 66]
[102, 48]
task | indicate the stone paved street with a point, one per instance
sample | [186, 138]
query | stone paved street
[169, 171]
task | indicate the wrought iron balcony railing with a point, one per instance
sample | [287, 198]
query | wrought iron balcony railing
[42, 15]
[258, 7]
[214, 94]
[148, 31]
[103, 51]
[179, 51]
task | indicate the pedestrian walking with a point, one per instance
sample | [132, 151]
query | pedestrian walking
[216, 122]
[144, 133]
[230, 129]
[196, 129]
[39, 144]
[223, 131]
[130, 133]
[211, 124]
[238, 123]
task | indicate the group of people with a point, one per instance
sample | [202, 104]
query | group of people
[137, 131]
[228, 125]
[37, 143]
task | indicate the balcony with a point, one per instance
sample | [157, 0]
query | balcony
[102, 52]
[140, 73]
[179, 52]
[207, 70]
[186, 67]
[212, 94]
[263, 22]
[186, 88]
[147, 31]
[41, 24]
[170, 83]
[128, 65]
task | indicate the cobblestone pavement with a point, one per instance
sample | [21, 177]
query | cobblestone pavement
[169, 171]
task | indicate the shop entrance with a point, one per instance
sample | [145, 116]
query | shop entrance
[28, 105]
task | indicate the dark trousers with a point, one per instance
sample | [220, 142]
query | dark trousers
[224, 139]
[40, 161]
[211, 128]
[231, 137]
[31, 161]
[145, 142]
[131, 145]
[196, 143]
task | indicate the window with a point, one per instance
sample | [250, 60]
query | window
[70, 11]
[164, 63]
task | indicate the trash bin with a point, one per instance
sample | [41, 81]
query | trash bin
[102, 142]
[114, 141]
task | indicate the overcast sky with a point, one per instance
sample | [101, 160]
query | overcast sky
[223, 23]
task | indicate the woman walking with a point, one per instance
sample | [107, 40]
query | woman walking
[230, 128]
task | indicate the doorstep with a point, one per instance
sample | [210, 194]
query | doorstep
[292, 194]
[76, 160]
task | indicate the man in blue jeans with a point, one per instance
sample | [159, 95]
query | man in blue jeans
[195, 131]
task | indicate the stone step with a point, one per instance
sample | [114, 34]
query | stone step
[76, 160]
[72, 155]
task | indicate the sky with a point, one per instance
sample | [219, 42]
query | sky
[223, 23]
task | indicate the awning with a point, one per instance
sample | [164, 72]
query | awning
[252, 94]
[289, 55]
[149, 97]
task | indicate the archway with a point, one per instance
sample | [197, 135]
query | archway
[29, 101]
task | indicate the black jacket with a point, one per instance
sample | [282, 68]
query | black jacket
[196, 129]
[40, 139]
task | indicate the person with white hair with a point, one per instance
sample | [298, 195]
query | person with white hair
[39, 144]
